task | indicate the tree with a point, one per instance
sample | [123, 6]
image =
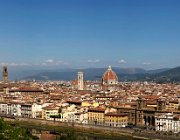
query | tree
[179, 107]
[8, 132]
[60, 111]
[57, 116]
[70, 134]
[54, 117]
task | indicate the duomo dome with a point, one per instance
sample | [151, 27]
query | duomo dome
[109, 77]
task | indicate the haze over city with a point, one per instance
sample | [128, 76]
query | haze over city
[90, 33]
[90, 69]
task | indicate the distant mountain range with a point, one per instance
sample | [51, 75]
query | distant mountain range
[124, 74]
[158, 76]
[89, 73]
[172, 75]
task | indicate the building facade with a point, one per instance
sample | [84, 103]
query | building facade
[168, 122]
[116, 120]
[96, 116]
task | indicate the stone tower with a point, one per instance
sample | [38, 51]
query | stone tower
[161, 104]
[80, 81]
[5, 74]
[140, 103]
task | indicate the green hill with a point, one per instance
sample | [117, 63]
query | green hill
[172, 75]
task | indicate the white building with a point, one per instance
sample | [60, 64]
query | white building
[69, 117]
[167, 122]
[36, 110]
[26, 110]
[49, 111]
[3, 108]
[14, 109]
[68, 114]
[81, 117]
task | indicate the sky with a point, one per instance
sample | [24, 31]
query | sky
[90, 33]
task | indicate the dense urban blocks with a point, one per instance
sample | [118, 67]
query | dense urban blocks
[106, 103]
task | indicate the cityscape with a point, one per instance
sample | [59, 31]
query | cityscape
[108, 103]
[90, 70]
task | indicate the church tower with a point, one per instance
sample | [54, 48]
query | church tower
[5, 74]
[80, 81]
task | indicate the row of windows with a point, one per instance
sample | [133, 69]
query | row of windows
[164, 120]
[115, 124]
[116, 120]
[96, 114]
[95, 118]
[51, 112]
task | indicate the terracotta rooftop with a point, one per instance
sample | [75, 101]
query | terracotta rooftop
[96, 110]
[115, 114]
[109, 75]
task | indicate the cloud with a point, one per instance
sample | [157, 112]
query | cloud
[122, 61]
[52, 62]
[147, 63]
[44, 64]
[49, 61]
[93, 61]
[60, 62]
[15, 64]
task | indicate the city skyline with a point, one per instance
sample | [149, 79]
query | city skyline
[90, 33]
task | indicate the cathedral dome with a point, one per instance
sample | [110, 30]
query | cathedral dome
[109, 77]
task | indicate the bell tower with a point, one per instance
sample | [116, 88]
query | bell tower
[80, 81]
[5, 74]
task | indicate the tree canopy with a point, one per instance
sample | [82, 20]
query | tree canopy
[8, 132]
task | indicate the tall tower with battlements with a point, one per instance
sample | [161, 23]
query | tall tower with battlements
[5, 74]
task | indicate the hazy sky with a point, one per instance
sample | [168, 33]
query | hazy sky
[90, 33]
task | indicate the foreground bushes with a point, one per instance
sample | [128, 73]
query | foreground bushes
[8, 132]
